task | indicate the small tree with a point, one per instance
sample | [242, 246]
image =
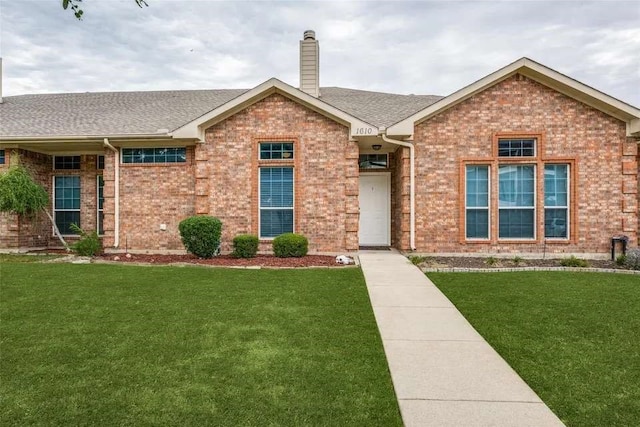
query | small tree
[21, 195]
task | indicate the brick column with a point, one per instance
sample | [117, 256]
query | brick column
[352, 203]
[630, 198]
[202, 179]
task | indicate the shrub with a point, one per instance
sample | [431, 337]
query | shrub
[621, 260]
[201, 235]
[517, 260]
[572, 261]
[290, 245]
[417, 259]
[89, 243]
[632, 260]
[245, 246]
[491, 261]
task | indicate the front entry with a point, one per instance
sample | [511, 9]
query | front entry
[375, 209]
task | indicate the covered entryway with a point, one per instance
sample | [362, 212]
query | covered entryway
[375, 209]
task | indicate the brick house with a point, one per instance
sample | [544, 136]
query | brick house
[525, 160]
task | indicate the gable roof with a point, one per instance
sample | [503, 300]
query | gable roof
[195, 128]
[538, 72]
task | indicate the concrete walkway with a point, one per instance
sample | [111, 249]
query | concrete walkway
[443, 371]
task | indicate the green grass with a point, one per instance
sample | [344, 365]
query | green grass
[125, 345]
[573, 337]
[13, 258]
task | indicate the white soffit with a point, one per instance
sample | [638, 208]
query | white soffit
[196, 128]
[538, 72]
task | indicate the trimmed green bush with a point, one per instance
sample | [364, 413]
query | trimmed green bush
[201, 235]
[245, 246]
[89, 243]
[289, 245]
[632, 259]
[573, 261]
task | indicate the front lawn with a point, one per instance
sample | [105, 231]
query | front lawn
[125, 345]
[573, 337]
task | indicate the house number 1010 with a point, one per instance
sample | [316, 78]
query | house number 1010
[364, 131]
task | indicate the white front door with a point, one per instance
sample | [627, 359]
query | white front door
[375, 209]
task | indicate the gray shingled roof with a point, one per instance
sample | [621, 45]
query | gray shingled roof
[128, 113]
[377, 108]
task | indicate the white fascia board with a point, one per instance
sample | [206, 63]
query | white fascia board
[535, 71]
[633, 128]
[196, 128]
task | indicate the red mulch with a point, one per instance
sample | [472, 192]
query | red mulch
[226, 260]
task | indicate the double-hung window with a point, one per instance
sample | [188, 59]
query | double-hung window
[276, 189]
[66, 202]
[516, 201]
[556, 201]
[2, 157]
[477, 202]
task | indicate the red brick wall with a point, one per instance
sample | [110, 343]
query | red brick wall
[606, 185]
[150, 195]
[400, 198]
[326, 173]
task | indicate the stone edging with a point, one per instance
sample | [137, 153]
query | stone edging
[517, 269]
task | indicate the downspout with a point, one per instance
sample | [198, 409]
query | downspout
[412, 190]
[116, 196]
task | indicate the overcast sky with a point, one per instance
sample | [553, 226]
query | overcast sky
[402, 47]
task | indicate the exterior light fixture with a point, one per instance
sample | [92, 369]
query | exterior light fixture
[376, 147]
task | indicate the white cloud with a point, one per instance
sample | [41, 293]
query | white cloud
[403, 47]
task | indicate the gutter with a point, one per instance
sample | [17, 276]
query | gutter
[44, 138]
[412, 191]
[116, 214]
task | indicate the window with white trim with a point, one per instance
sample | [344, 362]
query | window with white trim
[516, 201]
[276, 201]
[66, 208]
[100, 204]
[477, 201]
[100, 162]
[556, 201]
[154, 155]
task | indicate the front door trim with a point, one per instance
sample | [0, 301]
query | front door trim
[387, 175]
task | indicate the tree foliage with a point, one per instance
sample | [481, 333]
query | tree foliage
[20, 194]
[78, 12]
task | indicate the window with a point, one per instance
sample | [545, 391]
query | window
[276, 151]
[373, 161]
[66, 202]
[477, 202]
[556, 201]
[516, 201]
[154, 155]
[100, 196]
[100, 162]
[66, 162]
[1, 157]
[276, 201]
[517, 147]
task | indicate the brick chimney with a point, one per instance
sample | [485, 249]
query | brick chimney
[310, 64]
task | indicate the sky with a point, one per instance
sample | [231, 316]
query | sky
[425, 47]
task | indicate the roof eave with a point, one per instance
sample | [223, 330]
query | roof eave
[538, 72]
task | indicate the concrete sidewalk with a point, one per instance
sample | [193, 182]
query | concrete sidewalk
[443, 371]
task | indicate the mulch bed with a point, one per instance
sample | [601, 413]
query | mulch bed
[225, 260]
[476, 262]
